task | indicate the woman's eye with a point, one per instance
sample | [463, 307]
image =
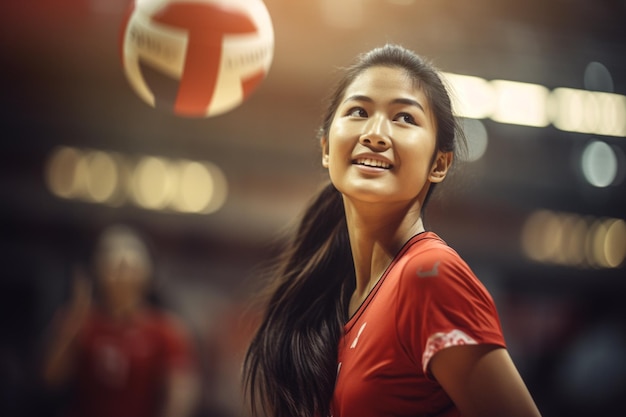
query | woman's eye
[406, 118]
[357, 112]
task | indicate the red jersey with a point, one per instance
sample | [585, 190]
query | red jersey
[428, 299]
[121, 367]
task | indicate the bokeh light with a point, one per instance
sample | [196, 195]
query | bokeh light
[573, 240]
[477, 138]
[151, 182]
[60, 171]
[520, 103]
[472, 97]
[615, 242]
[202, 188]
[598, 78]
[102, 176]
[599, 164]
[529, 104]
[588, 112]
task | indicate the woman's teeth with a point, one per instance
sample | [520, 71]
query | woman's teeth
[373, 163]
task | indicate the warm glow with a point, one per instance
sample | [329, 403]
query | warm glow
[346, 14]
[596, 244]
[520, 103]
[80, 178]
[532, 235]
[101, 180]
[60, 171]
[196, 187]
[615, 242]
[573, 240]
[552, 237]
[588, 112]
[220, 188]
[530, 104]
[201, 187]
[152, 183]
[572, 250]
[472, 97]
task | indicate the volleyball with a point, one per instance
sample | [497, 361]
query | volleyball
[196, 58]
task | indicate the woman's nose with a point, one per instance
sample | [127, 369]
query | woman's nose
[377, 133]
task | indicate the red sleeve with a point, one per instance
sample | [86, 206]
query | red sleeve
[443, 304]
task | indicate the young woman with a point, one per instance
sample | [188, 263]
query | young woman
[369, 314]
[120, 356]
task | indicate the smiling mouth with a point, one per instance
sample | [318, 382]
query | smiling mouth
[372, 163]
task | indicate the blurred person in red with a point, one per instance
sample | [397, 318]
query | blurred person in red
[122, 356]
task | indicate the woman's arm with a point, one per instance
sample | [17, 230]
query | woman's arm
[182, 380]
[60, 350]
[483, 382]
[182, 393]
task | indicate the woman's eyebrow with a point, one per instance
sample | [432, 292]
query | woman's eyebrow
[406, 101]
[409, 102]
[358, 97]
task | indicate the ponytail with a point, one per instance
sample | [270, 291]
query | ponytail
[291, 364]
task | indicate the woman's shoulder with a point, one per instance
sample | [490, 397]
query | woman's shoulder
[429, 257]
[427, 247]
[432, 270]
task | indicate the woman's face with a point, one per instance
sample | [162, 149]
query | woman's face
[122, 279]
[382, 140]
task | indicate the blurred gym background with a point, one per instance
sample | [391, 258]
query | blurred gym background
[539, 211]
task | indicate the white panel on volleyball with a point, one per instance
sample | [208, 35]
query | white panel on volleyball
[242, 57]
[162, 47]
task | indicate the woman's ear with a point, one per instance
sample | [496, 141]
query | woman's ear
[441, 166]
[324, 143]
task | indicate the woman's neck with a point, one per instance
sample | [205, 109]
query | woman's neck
[124, 312]
[377, 232]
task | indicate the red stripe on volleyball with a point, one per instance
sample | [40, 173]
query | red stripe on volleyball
[206, 25]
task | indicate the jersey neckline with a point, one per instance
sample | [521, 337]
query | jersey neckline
[372, 294]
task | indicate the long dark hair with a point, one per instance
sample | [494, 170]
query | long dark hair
[291, 364]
